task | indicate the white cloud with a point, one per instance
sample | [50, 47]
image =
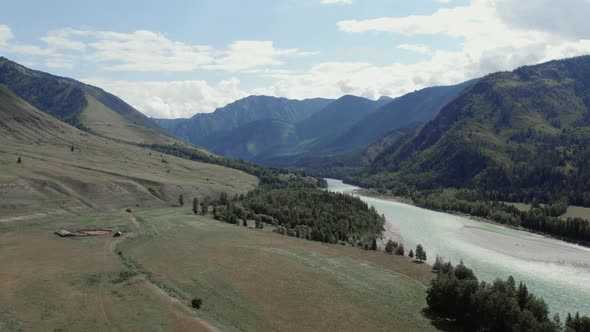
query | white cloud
[247, 54]
[58, 39]
[149, 51]
[173, 99]
[5, 34]
[489, 39]
[488, 35]
[340, 2]
[443, 1]
[420, 49]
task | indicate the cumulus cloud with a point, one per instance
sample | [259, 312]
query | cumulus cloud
[568, 18]
[340, 2]
[486, 36]
[5, 34]
[149, 51]
[420, 49]
[490, 39]
[247, 54]
[175, 99]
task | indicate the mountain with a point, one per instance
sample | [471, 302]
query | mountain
[81, 105]
[341, 165]
[521, 134]
[98, 174]
[279, 131]
[337, 117]
[257, 127]
[253, 139]
[354, 143]
[197, 129]
[411, 109]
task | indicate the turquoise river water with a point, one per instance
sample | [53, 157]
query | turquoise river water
[555, 270]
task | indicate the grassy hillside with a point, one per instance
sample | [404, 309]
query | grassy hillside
[248, 279]
[105, 122]
[81, 105]
[98, 174]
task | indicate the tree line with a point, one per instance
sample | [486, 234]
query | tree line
[539, 218]
[270, 178]
[457, 295]
[317, 215]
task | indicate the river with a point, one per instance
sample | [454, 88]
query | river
[555, 270]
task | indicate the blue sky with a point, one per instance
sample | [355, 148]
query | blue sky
[178, 58]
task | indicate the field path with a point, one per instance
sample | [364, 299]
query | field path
[109, 248]
[31, 216]
[187, 319]
[180, 307]
[106, 252]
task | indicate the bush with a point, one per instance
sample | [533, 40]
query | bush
[259, 224]
[400, 251]
[390, 246]
[196, 303]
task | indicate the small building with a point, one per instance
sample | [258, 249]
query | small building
[64, 233]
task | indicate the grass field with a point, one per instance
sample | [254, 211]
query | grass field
[249, 280]
[577, 212]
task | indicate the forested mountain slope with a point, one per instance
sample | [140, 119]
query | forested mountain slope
[242, 112]
[415, 108]
[516, 135]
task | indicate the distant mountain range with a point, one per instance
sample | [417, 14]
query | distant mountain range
[518, 134]
[282, 132]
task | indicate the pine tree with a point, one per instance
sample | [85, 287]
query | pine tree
[411, 254]
[390, 246]
[420, 253]
[195, 205]
[522, 295]
[181, 200]
[223, 198]
[438, 264]
[19, 160]
[557, 321]
[72, 148]
[400, 251]
[374, 244]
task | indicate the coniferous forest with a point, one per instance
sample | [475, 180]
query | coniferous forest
[457, 295]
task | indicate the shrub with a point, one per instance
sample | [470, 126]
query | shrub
[196, 303]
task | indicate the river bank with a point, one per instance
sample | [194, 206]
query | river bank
[405, 200]
[556, 270]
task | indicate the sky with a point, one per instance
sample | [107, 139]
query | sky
[177, 58]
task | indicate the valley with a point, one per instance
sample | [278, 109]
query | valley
[225, 222]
